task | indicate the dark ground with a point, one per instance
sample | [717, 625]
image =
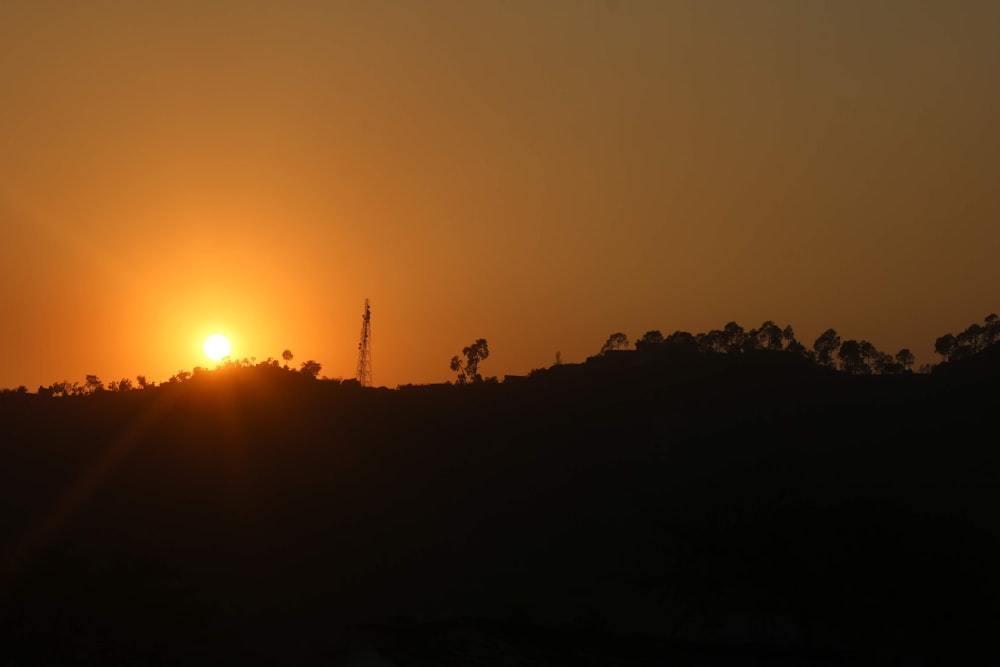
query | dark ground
[750, 511]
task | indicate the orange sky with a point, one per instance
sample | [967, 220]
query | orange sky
[539, 174]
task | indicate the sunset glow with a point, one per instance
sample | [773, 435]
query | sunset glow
[217, 347]
[539, 174]
[435, 331]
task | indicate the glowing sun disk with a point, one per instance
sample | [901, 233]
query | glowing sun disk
[217, 347]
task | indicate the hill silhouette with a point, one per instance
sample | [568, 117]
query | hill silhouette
[711, 509]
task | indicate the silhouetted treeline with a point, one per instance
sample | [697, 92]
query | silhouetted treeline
[855, 357]
[851, 356]
[975, 339]
[93, 384]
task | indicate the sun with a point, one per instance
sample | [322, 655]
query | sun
[217, 347]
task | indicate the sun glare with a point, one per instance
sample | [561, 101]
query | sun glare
[217, 347]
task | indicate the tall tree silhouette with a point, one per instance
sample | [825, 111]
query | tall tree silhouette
[905, 359]
[733, 337]
[769, 336]
[825, 346]
[945, 345]
[852, 358]
[474, 354]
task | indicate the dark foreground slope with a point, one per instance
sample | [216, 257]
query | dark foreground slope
[712, 512]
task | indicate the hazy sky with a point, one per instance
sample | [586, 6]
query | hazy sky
[537, 173]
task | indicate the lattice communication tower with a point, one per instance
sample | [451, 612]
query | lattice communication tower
[365, 348]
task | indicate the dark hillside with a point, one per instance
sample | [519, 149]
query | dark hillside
[722, 510]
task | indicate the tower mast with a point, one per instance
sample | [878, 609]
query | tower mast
[365, 348]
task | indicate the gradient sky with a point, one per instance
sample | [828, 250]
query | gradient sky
[537, 173]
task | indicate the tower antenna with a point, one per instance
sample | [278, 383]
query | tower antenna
[365, 348]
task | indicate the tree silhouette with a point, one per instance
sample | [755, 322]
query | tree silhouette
[945, 345]
[287, 356]
[905, 359]
[180, 377]
[970, 341]
[792, 344]
[682, 339]
[616, 341]
[827, 343]
[992, 328]
[474, 354]
[733, 337]
[121, 385]
[851, 357]
[713, 341]
[93, 385]
[653, 337]
[456, 366]
[310, 368]
[869, 354]
[769, 336]
[66, 388]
